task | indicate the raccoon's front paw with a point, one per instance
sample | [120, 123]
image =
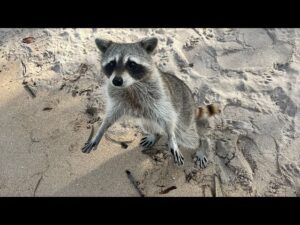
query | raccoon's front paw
[177, 156]
[200, 160]
[89, 146]
[148, 141]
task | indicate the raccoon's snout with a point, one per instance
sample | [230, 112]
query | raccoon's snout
[117, 81]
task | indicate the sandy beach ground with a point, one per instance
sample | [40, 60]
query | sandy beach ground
[253, 146]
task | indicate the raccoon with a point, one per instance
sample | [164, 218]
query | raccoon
[162, 103]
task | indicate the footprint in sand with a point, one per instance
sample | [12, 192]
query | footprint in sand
[250, 151]
[274, 187]
[284, 102]
[281, 66]
[239, 125]
[225, 150]
[191, 43]
[180, 59]
[208, 33]
[291, 169]
[235, 163]
[78, 123]
[205, 95]
[226, 35]
[289, 130]
[267, 79]
[73, 147]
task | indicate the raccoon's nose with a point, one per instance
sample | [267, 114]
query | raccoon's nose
[117, 81]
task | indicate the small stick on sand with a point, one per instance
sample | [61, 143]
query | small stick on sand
[168, 190]
[47, 108]
[30, 91]
[134, 182]
[23, 67]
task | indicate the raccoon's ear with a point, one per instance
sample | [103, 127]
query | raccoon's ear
[149, 44]
[103, 44]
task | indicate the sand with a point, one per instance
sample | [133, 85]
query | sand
[253, 146]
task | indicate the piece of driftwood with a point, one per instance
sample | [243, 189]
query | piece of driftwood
[167, 190]
[29, 90]
[134, 183]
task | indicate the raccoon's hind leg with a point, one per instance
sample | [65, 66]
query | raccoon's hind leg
[200, 158]
[153, 134]
[190, 139]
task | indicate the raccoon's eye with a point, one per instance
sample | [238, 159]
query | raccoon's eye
[132, 65]
[109, 68]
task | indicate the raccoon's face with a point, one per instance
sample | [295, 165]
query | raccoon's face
[127, 63]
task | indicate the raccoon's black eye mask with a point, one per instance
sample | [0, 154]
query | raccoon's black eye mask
[135, 70]
[109, 68]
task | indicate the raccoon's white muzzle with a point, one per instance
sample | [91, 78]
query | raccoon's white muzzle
[124, 80]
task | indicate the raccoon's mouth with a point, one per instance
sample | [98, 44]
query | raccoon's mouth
[118, 87]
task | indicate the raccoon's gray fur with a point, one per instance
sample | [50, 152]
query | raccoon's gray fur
[162, 102]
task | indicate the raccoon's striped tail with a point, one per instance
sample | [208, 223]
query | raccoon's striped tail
[207, 111]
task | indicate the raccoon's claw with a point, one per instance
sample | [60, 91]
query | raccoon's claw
[148, 141]
[200, 160]
[89, 146]
[178, 157]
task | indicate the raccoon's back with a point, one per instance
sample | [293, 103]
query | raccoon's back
[181, 97]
